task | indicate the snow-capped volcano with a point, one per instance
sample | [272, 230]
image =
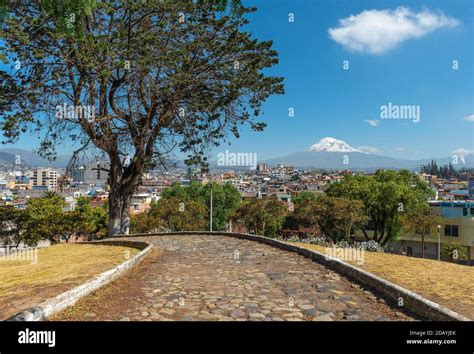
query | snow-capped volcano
[333, 154]
[333, 145]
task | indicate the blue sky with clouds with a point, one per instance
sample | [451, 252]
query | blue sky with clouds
[398, 51]
[410, 66]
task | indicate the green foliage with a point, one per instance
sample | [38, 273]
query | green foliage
[83, 204]
[225, 199]
[100, 219]
[453, 252]
[185, 193]
[145, 222]
[339, 217]
[386, 196]
[261, 216]
[304, 196]
[69, 15]
[11, 227]
[306, 215]
[334, 218]
[91, 221]
[195, 199]
[74, 223]
[235, 6]
[177, 214]
[446, 171]
[422, 220]
[158, 74]
[3, 10]
[43, 219]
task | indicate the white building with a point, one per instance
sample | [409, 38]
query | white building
[46, 178]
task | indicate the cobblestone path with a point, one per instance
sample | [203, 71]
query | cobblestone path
[222, 278]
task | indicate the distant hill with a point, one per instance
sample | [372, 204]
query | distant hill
[330, 153]
[327, 154]
[31, 159]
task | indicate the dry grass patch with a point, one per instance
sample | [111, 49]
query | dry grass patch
[448, 284]
[58, 269]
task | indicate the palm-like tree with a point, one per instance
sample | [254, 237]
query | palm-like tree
[50, 195]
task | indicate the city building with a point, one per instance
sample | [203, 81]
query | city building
[92, 174]
[456, 228]
[43, 179]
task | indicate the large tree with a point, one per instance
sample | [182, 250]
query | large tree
[423, 221]
[11, 227]
[177, 214]
[139, 79]
[387, 195]
[261, 216]
[43, 219]
[225, 199]
[334, 218]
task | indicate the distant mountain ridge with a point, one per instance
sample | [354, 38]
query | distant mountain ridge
[327, 154]
[31, 159]
[331, 153]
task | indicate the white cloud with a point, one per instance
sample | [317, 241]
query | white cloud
[372, 122]
[370, 149]
[399, 149]
[462, 152]
[469, 118]
[378, 31]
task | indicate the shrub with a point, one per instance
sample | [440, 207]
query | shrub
[454, 253]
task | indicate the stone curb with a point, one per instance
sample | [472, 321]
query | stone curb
[54, 305]
[412, 302]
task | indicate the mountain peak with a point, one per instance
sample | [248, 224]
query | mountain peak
[333, 145]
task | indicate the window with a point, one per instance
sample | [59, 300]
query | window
[451, 230]
[464, 212]
[472, 211]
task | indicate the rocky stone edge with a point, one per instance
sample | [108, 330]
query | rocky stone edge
[47, 308]
[412, 302]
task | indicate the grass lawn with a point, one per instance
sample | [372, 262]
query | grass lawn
[58, 269]
[448, 284]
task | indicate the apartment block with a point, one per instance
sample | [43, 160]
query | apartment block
[44, 178]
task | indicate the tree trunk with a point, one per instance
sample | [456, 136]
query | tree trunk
[365, 234]
[115, 214]
[423, 246]
[125, 216]
[375, 236]
[123, 181]
[387, 238]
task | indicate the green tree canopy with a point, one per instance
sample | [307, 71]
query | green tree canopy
[304, 197]
[11, 227]
[225, 199]
[421, 220]
[144, 78]
[176, 214]
[261, 216]
[43, 219]
[386, 196]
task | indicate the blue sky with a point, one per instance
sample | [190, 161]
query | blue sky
[405, 67]
[330, 101]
